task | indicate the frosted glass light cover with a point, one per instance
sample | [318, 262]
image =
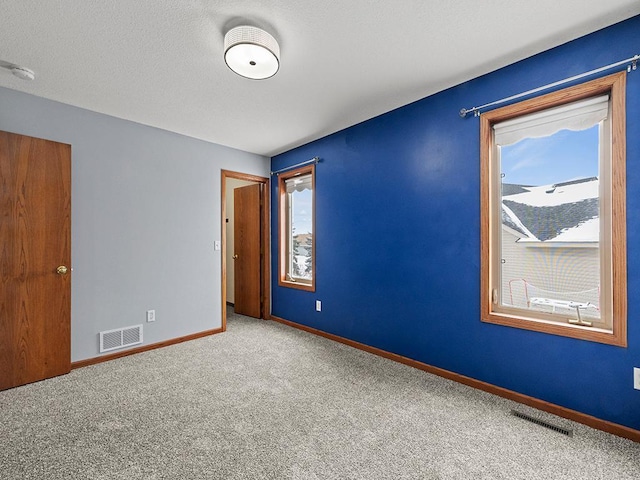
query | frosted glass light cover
[251, 52]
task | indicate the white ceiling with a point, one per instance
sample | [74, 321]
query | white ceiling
[160, 62]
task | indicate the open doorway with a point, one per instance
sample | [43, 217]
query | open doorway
[245, 244]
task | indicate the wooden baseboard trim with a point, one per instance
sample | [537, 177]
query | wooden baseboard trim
[144, 348]
[593, 422]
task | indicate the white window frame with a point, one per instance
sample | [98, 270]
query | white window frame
[612, 217]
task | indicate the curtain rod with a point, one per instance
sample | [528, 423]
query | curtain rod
[313, 160]
[476, 110]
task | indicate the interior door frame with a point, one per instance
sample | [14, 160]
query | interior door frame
[264, 241]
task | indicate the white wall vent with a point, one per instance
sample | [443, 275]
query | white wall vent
[120, 338]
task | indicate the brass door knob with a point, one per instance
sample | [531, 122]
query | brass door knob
[235, 256]
[62, 270]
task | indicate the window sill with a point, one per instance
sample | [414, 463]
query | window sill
[297, 285]
[592, 334]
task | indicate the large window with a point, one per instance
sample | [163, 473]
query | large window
[297, 229]
[553, 213]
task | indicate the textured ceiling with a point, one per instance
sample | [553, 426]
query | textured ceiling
[160, 62]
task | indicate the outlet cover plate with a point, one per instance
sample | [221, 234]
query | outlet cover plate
[318, 306]
[151, 315]
[636, 378]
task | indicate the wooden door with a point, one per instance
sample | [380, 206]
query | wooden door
[35, 239]
[247, 255]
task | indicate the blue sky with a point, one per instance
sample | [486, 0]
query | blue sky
[563, 156]
[302, 211]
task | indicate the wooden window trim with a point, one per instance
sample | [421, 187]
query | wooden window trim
[615, 85]
[282, 229]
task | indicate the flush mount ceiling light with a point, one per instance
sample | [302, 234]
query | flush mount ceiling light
[251, 52]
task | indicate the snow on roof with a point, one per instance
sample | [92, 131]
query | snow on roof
[512, 189]
[510, 219]
[562, 212]
[558, 194]
[588, 231]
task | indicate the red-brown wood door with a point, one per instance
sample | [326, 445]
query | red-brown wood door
[247, 237]
[35, 239]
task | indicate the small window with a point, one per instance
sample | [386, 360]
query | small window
[297, 229]
[553, 213]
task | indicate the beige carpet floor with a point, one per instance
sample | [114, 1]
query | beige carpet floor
[266, 401]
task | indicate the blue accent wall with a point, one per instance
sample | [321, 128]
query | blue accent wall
[398, 241]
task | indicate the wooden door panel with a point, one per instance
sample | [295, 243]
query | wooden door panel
[247, 238]
[35, 236]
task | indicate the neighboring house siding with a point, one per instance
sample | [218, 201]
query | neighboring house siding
[555, 269]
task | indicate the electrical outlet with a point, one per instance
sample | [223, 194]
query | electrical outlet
[151, 315]
[636, 378]
[216, 245]
[318, 306]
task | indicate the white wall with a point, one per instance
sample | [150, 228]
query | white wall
[145, 214]
[232, 183]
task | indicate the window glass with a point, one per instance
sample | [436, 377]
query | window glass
[300, 227]
[297, 242]
[550, 210]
